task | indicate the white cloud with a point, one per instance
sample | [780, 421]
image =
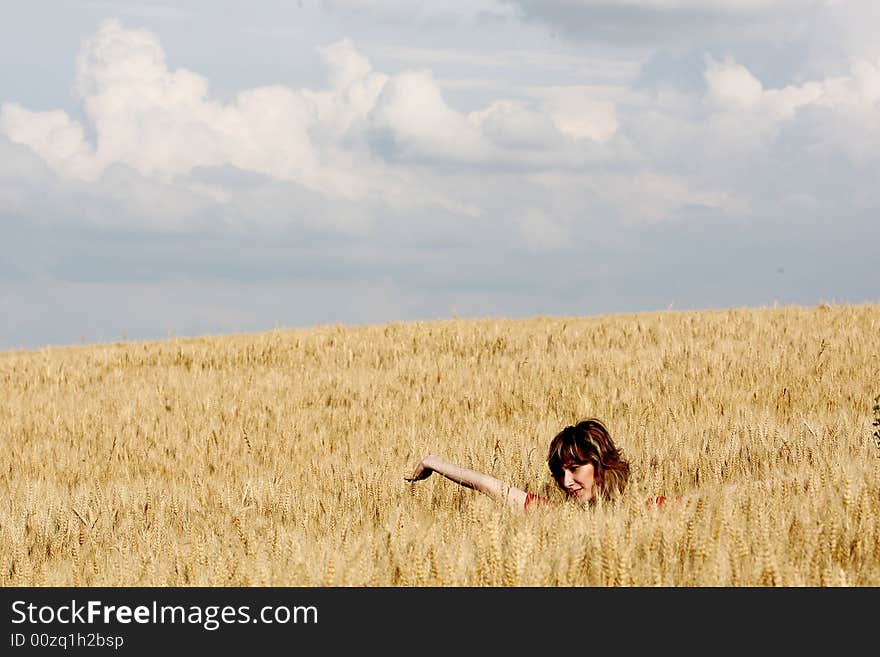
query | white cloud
[407, 10]
[54, 136]
[582, 112]
[860, 90]
[413, 117]
[163, 123]
[371, 147]
[513, 124]
[733, 85]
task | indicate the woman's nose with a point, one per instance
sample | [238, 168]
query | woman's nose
[567, 479]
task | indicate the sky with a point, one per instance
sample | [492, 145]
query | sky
[212, 167]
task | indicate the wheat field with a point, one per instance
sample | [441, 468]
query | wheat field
[278, 458]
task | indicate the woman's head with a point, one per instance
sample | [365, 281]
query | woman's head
[586, 464]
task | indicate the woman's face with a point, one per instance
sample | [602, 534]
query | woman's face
[579, 482]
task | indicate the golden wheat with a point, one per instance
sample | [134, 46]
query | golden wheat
[278, 458]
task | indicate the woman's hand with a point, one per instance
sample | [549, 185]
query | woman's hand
[423, 470]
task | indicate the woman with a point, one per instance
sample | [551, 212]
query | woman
[583, 460]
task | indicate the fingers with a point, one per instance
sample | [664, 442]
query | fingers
[419, 474]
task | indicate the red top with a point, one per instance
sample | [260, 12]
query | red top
[531, 497]
[543, 501]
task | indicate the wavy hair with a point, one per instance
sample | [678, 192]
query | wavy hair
[589, 441]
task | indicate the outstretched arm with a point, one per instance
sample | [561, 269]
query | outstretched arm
[502, 491]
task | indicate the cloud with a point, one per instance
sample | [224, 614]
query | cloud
[371, 150]
[514, 124]
[732, 85]
[666, 148]
[406, 11]
[357, 151]
[411, 120]
[640, 22]
[684, 6]
[341, 141]
[163, 124]
[22, 172]
[733, 88]
[582, 112]
[54, 136]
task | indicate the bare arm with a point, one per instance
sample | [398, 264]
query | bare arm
[495, 488]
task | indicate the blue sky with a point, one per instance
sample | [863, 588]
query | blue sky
[201, 167]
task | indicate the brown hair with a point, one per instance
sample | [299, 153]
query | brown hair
[588, 441]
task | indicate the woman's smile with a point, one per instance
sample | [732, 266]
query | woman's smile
[579, 480]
